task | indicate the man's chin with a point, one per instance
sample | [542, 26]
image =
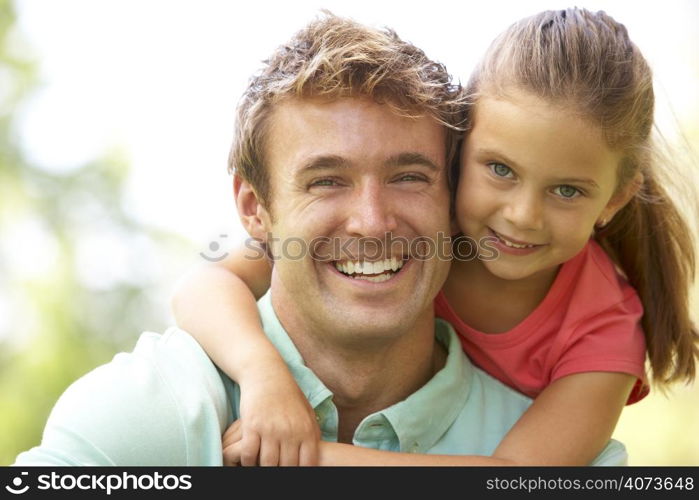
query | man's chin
[372, 321]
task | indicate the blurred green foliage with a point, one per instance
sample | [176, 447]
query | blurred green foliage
[67, 325]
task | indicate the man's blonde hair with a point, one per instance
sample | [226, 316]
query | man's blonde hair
[334, 57]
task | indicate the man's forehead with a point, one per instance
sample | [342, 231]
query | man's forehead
[321, 133]
[349, 107]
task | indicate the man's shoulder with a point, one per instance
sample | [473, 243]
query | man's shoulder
[480, 381]
[173, 361]
[169, 352]
[162, 403]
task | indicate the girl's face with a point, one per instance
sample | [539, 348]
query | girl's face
[535, 178]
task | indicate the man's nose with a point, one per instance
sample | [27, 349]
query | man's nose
[371, 212]
[524, 210]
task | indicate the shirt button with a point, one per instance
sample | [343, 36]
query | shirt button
[415, 447]
[318, 418]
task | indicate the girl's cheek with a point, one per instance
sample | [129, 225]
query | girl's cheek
[471, 191]
[461, 210]
[461, 196]
[454, 226]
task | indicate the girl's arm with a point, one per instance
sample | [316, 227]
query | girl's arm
[216, 303]
[568, 424]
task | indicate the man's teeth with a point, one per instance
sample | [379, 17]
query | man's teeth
[383, 268]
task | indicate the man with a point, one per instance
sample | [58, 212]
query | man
[346, 134]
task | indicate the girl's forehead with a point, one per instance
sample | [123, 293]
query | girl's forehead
[532, 104]
[531, 133]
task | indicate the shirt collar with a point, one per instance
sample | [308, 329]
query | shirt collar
[316, 392]
[418, 421]
[421, 419]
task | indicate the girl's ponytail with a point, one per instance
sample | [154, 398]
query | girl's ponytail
[653, 244]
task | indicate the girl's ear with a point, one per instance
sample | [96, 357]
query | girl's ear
[619, 200]
[253, 215]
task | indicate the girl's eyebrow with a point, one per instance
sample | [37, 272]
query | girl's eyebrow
[511, 163]
[481, 152]
[575, 180]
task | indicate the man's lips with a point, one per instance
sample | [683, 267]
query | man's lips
[373, 272]
[367, 267]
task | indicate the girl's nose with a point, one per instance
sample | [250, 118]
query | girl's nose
[524, 211]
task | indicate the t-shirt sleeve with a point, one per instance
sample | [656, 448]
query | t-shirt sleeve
[610, 341]
[136, 410]
[613, 455]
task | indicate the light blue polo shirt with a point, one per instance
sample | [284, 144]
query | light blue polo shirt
[165, 403]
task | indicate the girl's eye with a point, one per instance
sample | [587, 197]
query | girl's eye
[567, 192]
[500, 170]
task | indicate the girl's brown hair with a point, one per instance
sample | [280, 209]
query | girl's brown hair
[586, 63]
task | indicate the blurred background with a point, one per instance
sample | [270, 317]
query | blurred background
[115, 122]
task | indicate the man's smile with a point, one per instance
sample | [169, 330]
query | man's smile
[363, 273]
[376, 272]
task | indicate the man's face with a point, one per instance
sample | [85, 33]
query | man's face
[340, 172]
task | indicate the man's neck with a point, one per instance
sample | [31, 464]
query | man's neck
[369, 376]
[361, 389]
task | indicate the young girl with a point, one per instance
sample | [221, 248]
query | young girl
[558, 174]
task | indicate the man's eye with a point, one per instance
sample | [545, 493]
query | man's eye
[323, 183]
[501, 170]
[410, 178]
[567, 192]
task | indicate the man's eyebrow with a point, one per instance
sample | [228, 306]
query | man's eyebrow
[324, 162]
[334, 161]
[405, 159]
[511, 163]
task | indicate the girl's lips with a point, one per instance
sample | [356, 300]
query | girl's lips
[501, 245]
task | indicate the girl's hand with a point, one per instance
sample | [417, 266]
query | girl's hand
[277, 424]
[231, 444]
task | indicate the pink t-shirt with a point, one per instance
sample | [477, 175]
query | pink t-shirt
[588, 321]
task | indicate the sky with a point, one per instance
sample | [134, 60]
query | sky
[158, 81]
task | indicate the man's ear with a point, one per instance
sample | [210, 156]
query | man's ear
[620, 199]
[252, 213]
